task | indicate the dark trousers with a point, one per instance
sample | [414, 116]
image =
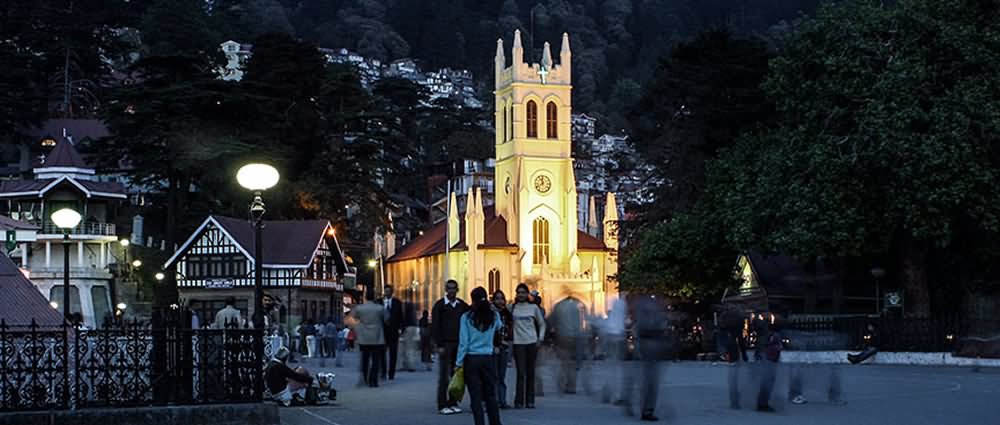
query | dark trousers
[501, 366]
[567, 351]
[370, 355]
[391, 354]
[329, 346]
[481, 381]
[446, 368]
[525, 356]
[767, 372]
[796, 377]
[650, 385]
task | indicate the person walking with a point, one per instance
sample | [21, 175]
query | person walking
[425, 340]
[393, 330]
[505, 340]
[529, 328]
[476, 348]
[541, 352]
[228, 316]
[410, 340]
[651, 324]
[370, 318]
[613, 335]
[733, 346]
[447, 313]
[330, 333]
[767, 355]
[567, 323]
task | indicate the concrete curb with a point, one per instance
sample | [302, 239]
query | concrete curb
[888, 358]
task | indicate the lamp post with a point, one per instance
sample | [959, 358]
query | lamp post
[258, 178]
[66, 219]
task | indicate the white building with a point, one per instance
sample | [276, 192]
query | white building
[63, 180]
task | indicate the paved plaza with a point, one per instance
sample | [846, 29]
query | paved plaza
[690, 393]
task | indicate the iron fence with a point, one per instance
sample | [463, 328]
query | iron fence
[132, 365]
[934, 334]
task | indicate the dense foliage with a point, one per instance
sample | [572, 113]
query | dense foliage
[883, 144]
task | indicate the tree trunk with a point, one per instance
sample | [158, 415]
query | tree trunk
[913, 275]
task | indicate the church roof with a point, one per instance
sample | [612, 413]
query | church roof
[433, 241]
[291, 242]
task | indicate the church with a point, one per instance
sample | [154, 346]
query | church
[530, 234]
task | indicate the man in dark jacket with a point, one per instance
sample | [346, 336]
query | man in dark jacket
[393, 329]
[279, 376]
[446, 316]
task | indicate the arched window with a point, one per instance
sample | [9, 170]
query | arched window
[532, 119]
[551, 121]
[540, 240]
[494, 279]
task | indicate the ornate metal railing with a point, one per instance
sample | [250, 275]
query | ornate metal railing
[48, 227]
[65, 368]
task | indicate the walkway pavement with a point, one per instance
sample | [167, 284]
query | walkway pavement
[690, 393]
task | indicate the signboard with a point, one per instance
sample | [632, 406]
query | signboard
[350, 281]
[219, 284]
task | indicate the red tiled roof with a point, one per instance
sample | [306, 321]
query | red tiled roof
[21, 302]
[495, 236]
[585, 241]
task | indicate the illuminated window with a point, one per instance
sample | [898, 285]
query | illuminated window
[551, 120]
[494, 279]
[540, 238]
[532, 118]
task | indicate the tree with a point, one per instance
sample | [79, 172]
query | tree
[698, 102]
[884, 141]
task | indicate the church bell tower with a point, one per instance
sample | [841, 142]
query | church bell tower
[535, 184]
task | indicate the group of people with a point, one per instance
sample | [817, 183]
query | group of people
[379, 325]
[481, 337]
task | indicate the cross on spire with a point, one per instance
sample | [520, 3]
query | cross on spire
[543, 72]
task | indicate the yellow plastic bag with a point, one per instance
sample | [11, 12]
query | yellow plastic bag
[456, 387]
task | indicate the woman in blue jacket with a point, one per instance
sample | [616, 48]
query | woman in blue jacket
[475, 355]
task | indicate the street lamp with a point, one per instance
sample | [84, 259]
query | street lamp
[159, 276]
[258, 178]
[66, 219]
[137, 263]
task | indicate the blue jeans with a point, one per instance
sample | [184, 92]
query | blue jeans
[501, 360]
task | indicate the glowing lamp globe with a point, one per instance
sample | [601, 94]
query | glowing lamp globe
[257, 177]
[121, 306]
[137, 263]
[159, 276]
[66, 218]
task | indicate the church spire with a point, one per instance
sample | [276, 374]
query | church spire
[592, 217]
[611, 222]
[564, 53]
[500, 60]
[517, 51]
[453, 226]
[546, 56]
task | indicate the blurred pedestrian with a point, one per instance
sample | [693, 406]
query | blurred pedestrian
[370, 318]
[567, 323]
[529, 329]
[330, 338]
[476, 348]
[651, 325]
[733, 346]
[228, 316]
[613, 336]
[409, 341]
[425, 340]
[505, 341]
[447, 313]
[767, 355]
[541, 353]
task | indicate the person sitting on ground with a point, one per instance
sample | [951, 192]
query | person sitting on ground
[287, 386]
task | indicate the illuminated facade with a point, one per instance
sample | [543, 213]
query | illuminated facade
[531, 233]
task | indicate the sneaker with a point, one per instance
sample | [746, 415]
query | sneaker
[649, 417]
[445, 411]
[799, 400]
[456, 409]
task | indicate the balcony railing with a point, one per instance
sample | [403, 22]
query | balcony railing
[84, 228]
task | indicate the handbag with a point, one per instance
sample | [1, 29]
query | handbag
[456, 387]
